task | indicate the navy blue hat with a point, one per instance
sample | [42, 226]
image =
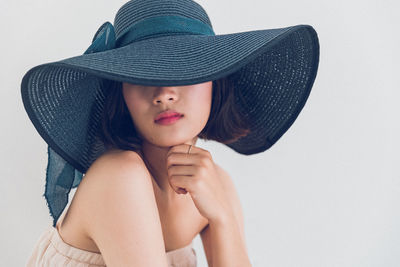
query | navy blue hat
[165, 43]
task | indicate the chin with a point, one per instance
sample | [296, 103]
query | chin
[169, 141]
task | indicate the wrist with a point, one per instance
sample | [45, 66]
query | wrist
[222, 219]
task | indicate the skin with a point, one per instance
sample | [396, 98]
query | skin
[211, 198]
[165, 150]
[145, 102]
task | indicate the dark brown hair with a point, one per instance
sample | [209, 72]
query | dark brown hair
[225, 123]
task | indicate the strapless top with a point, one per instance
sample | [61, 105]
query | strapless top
[50, 250]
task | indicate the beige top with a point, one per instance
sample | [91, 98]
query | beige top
[51, 251]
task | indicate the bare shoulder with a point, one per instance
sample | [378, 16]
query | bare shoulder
[110, 173]
[230, 187]
[222, 171]
[226, 179]
[116, 160]
[110, 169]
[120, 211]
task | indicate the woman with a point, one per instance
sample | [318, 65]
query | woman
[128, 113]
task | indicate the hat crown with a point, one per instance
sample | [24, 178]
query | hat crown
[136, 11]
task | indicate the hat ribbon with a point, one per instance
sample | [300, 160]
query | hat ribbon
[105, 37]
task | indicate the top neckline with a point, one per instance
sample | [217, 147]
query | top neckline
[58, 238]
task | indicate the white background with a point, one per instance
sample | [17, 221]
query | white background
[326, 194]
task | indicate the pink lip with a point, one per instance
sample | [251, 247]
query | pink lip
[167, 114]
[168, 120]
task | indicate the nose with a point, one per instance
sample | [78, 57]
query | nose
[165, 94]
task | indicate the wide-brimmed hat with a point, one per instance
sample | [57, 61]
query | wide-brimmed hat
[165, 43]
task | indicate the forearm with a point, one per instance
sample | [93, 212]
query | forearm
[228, 247]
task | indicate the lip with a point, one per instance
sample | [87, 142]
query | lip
[168, 115]
[168, 120]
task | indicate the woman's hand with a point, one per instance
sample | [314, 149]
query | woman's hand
[197, 174]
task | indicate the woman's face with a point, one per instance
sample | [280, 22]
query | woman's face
[146, 102]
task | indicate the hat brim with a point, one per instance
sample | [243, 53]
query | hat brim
[173, 61]
[180, 59]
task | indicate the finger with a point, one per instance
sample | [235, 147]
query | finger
[198, 160]
[188, 170]
[181, 159]
[183, 148]
[179, 182]
[182, 191]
